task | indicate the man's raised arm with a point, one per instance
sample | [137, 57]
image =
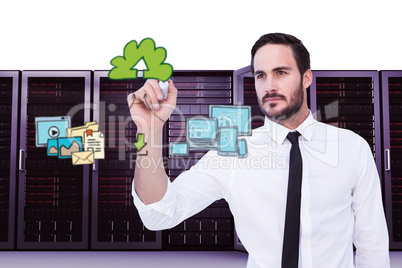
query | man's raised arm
[149, 112]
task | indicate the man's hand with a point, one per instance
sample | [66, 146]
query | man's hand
[148, 108]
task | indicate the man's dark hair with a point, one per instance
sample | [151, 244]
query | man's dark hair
[300, 52]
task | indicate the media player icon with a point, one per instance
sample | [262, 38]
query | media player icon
[54, 132]
[50, 127]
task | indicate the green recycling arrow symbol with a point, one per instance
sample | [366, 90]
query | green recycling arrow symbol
[140, 142]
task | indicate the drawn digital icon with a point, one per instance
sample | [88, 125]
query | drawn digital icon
[140, 142]
[238, 116]
[67, 146]
[95, 141]
[242, 148]
[154, 59]
[228, 141]
[178, 149]
[79, 131]
[52, 149]
[202, 133]
[64, 142]
[54, 132]
[220, 131]
[50, 128]
[83, 158]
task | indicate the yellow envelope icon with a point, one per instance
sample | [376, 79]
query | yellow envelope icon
[79, 131]
[83, 158]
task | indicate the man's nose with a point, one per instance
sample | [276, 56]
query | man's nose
[270, 85]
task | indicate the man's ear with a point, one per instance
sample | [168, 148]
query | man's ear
[307, 78]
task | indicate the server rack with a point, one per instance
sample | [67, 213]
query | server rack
[357, 93]
[212, 228]
[349, 99]
[391, 82]
[9, 90]
[115, 220]
[53, 194]
[245, 88]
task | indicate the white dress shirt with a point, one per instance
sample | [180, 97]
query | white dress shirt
[341, 199]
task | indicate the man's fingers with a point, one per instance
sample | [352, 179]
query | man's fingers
[172, 93]
[151, 99]
[150, 94]
[130, 100]
[154, 84]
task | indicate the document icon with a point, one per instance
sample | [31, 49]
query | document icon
[95, 141]
[79, 131]
[83, 158]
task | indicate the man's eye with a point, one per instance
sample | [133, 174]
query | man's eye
[259, 76]
[281, 73]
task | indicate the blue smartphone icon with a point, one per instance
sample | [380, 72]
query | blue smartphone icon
[242, 148]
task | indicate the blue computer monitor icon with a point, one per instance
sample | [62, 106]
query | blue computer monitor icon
[202, 132]
[232, 116]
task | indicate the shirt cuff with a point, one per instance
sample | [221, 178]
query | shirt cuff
[158, 206]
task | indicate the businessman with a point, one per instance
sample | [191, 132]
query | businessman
[322, 197]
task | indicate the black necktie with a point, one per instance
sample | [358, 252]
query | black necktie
[290, 251]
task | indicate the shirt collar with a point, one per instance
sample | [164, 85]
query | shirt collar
[278, 132]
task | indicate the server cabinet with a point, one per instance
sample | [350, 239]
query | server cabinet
[212, 228]
[244, 86]
[349, 99]
[391, 82]
[53, 193]
[9, 90]
[115, 220]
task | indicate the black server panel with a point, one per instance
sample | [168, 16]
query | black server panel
[349, 99]
[212, 228]
[250, 99]
[9, 83]
[245, 94]
[392, 172]
[115, 220]
[53, 194]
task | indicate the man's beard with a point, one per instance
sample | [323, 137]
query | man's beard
[296, 101]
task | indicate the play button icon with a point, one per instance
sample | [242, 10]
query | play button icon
[54, 132]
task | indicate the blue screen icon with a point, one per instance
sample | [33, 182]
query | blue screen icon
[50, 128]
[232, 116]
[178, 149]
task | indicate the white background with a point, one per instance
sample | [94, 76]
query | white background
[198, 35]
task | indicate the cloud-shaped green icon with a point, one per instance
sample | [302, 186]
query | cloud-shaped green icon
[153, 57]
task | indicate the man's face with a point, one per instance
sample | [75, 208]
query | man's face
[278, 82]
